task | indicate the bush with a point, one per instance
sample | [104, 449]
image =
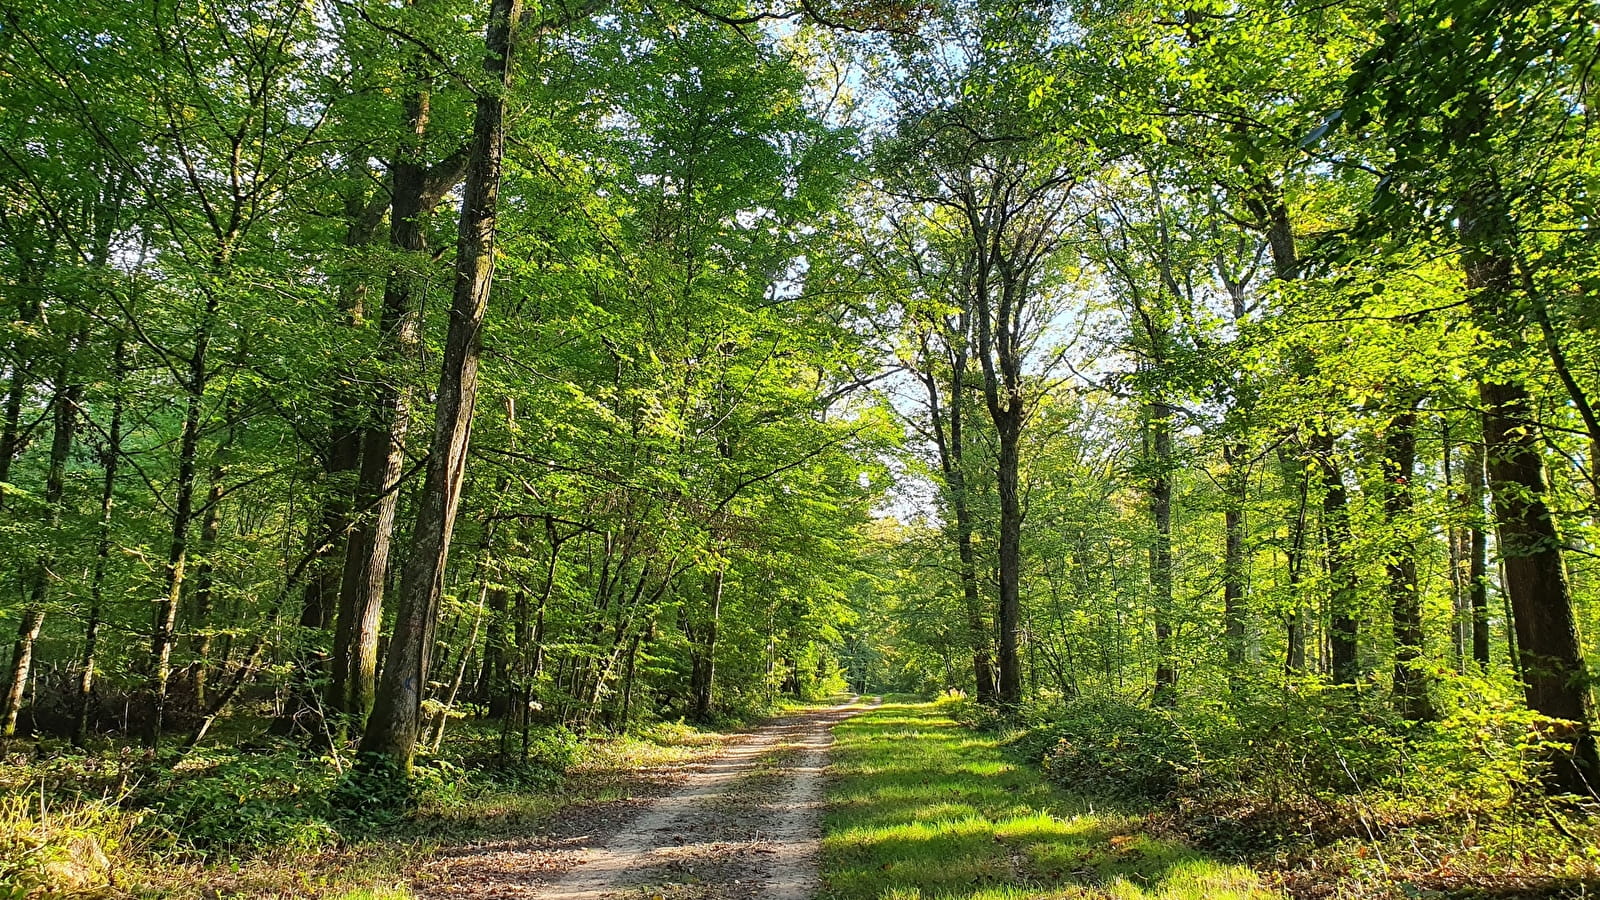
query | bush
[1115, 749]
[231, 803]
[1311, 743]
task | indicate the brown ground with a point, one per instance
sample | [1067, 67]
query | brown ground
[744, 824]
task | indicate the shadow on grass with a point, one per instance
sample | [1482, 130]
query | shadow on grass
[922, 808]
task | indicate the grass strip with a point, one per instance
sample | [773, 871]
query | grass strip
[921, 808]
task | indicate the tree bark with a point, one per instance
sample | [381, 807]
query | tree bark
[163, 629]
[1233, 566]
[952, 465]
[110, 461]
[1400, 457]
[392, 730]
[68, 397]
[1478, 555]
[382, 439]
[703, 664]
[1296, 477]
[1549, 654]
[1344, 623]
[1158, 450]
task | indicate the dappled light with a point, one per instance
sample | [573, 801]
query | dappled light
[478, 449]
[922, 808]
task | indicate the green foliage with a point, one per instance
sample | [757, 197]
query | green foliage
[240, 803]
[68, 848]
[1116, 749]
[551, 752]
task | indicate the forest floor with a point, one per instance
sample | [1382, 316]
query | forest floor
[742, 824]
[921, 807]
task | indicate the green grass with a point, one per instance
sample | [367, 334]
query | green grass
[923, 809]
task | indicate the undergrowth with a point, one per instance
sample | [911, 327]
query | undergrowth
[1330, 789]
[270, 820]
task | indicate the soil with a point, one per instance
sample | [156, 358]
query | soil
[744, 824]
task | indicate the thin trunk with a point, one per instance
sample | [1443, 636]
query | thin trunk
[164, 625]
[442, 717]
[22, 661]
[951, 448]
[1007, 483]
[494, 689]
[17, 389]
[1477, 555]
[1455, 554]
[1233, 567]
[703, 650]
[1295, 474]
[110, 460]
[393, 727]
[627, 682]
[1410, 676]
[1159, 455]
[69, 395]
[205, 578]
[1344, 619]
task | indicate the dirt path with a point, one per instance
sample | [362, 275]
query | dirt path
[743, 825]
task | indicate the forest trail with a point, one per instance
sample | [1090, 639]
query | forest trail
[744, 824]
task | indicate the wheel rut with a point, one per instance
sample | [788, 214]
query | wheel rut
[745, 824]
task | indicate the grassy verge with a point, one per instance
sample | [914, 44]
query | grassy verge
[921, 807]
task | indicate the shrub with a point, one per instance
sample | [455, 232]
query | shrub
[1115, 749]
[233, 802]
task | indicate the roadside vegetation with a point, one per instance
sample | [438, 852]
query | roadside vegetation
[260, 822]
[1104, 798]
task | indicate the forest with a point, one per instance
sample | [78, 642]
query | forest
[413, 404]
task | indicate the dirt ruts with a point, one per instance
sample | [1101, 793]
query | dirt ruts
[744, 824]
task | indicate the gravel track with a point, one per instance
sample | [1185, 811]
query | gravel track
[744, 824]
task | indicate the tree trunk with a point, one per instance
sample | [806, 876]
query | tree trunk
[382, 440]
[1007, 483]
[494, 688]
[1400, 458]
[205, 573]
[164, 626]
[110, 460]
[1233, 566]
[1477, 555]
[1159, 455]
[703, 665]
[68, 397]
[1549, 654]
[1343, 621]
[28, 308]
[392, 730]
[951, 448]
[1294, 562]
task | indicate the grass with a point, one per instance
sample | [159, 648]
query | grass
[921, 808]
